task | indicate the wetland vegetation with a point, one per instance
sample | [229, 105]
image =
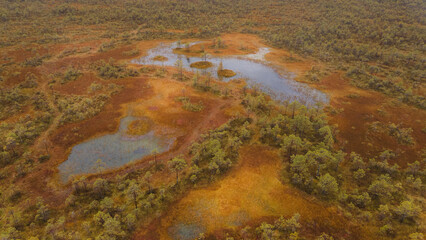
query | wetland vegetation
[225, 119]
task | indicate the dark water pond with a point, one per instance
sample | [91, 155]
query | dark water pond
[114, 150]
[251, 67]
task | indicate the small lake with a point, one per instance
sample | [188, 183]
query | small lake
[252, 67]
[114, 150]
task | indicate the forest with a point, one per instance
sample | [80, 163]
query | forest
[351, 167]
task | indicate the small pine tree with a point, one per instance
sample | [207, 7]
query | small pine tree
[177, 165]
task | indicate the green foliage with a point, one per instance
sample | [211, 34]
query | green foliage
[30, 81]
[107, 46]
[94, 87]
[407, 211]
[71, 75]
[292, 145]
[387, 230]
[288, 225]
[177, 165]
[305, 169]
[382, 188]
[54, 229]
[363, 79]
[34, 61]
[112, 70]
[43, 212]
[133, 192]
[324, 236]
[12, 101]
[403, 135]
[328, 186]
[359, 174]
[356, 162]
[416, 236]
[317, 168]
[384, 212]
[282, 228]
[100, 188]
[377, 38]
[187, 105]
[257, 104]
[77, 108]
[218, 150]
[17, 137]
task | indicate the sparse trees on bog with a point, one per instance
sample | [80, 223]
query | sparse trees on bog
[100, 187]
[407, 210]
[328, 186]
[179, 66]
[147, 177]
[177, 165]
[133, 192]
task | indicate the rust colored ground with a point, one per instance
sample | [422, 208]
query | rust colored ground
[263, 194]
[151, 97]
[356, 114]
[252, 190]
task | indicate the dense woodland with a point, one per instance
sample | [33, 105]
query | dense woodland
[378, 45]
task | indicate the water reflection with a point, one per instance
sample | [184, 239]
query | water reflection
[114, 150]
[251, 67]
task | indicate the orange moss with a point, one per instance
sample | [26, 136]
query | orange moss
[358, 113]
[139, 127]
[160, 58]
[226, 73]
[251, 191]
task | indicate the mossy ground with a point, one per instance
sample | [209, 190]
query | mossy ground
[201, 65]
[227, 73]
[160, 58]
[139, 127]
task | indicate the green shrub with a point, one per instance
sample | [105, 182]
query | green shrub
[111, 70]
[71, 75]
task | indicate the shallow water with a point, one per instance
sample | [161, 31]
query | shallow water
[118, 149]
[114, 150]
[253, 68]
[186, 231]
